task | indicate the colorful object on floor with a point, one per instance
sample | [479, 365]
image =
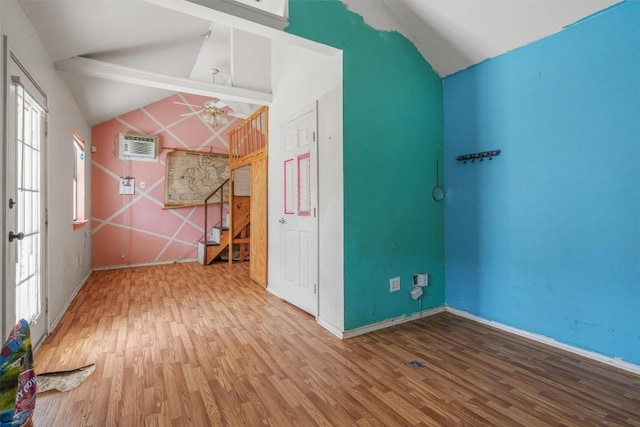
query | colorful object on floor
[64, 380]
[17, 377]
[416, 364]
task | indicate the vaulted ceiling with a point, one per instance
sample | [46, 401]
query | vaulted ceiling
[116, 56]
[455, 34]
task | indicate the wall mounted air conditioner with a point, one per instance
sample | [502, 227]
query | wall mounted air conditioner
[138, 147]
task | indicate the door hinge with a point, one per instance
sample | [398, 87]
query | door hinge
[314, 212]
[315, 288]
[46, 126]
[46, 306]
[314, 137]
[46, 216]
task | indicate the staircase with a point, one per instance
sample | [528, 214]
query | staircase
[219, 241]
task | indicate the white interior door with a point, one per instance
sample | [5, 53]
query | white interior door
[299, 221]
[24, 294]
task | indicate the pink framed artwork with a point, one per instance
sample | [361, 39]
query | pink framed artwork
[304, 184]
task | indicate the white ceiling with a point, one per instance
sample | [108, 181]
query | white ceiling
[119, 55]
[91, 40]
[455, 34]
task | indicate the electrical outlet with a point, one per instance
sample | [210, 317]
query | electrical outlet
[416, 292]
[421, 279]
[394, 284]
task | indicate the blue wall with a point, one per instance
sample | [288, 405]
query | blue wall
[393, 135]
[546, 237]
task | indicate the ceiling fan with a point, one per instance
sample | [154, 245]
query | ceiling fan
[213, 111]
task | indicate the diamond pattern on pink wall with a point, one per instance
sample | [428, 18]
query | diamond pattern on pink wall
[136, 229]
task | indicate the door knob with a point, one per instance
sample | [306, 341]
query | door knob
[281, 221]
[18, 236]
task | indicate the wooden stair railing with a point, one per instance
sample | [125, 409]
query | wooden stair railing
[241, 213]
[206, 243]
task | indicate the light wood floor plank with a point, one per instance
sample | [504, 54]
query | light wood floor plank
[188, 345]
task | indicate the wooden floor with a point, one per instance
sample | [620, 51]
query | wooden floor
[188, 345]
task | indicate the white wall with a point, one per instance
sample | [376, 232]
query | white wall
[300, 78]
[68, 251]
[251, 61]
[331, 219]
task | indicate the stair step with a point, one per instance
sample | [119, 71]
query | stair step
[236, 256]
[211, 243]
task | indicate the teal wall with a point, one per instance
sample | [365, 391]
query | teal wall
[393, 135]
[546, 237]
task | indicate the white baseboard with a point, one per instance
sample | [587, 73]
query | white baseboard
[274, 292]
[331, 328]
[54, 323]
[143, 264]
[391, 322]
[613, 361]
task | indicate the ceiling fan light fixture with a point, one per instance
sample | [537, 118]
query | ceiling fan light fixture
[214, 117]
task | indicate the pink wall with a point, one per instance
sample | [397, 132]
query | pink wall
[135, 229]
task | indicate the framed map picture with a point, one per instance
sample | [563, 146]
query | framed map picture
[191, 176]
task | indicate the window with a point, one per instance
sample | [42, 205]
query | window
[78, 181]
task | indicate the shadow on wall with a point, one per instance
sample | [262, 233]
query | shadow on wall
[136, 229]
[467, 182]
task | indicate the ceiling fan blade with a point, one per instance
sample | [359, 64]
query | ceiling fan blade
[188, 105]
[220, 104]
[193, 113]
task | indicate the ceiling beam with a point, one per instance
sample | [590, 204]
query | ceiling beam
[243, 11]
[120, 73]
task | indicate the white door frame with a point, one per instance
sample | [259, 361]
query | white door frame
[12, 66]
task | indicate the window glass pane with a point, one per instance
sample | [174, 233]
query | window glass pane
[77, 186]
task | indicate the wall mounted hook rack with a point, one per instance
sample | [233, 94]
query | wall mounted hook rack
[478, 156]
